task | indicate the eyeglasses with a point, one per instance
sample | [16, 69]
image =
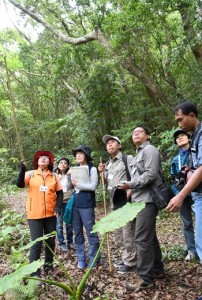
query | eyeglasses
[138, 131]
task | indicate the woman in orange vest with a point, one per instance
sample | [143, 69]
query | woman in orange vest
[44, 203]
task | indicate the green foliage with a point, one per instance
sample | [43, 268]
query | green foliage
[99, 194]
[144, 61]
[111, 222]
[118, 218]
[13, 233]
[11, 218]
[163, 214]
[176, 252]
[23, 292]
[12, 230]
[13, 280]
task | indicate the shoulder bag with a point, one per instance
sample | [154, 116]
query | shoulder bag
[161, 194]
[67, 217]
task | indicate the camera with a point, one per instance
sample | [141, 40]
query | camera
[181, 178]
[183, 172]
[121, 183]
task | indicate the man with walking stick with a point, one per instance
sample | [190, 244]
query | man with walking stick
[115, 170]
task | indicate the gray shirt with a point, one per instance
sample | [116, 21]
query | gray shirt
[148, 162]
[115, 171]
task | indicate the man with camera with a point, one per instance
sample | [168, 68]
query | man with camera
[186, 115]
[179, 168]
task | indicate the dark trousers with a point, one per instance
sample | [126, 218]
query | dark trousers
[38, 228]
[188, 227]
[149, 257]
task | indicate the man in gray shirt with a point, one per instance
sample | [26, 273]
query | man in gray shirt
[146, 170]
[115, 171]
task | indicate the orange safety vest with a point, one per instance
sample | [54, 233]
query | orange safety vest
[41, 200]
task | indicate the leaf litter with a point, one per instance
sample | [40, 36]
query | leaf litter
[183, 280]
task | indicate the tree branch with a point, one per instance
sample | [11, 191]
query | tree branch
[91, 36]
[73, 92]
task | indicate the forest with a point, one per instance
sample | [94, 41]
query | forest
[94, 68]
[73, 71]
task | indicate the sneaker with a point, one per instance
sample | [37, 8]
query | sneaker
[139, 285]
[81, 264]
[63, 248]
[71, 246]
[119, 263]
[190, 256]
[126, 269]
[94, 266]
[48, 268]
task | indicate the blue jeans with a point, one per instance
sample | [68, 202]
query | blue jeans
[85, 217]
[59, 229]
[197, 207]
[186, 216]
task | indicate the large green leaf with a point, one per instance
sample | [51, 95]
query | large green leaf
[118, 218]
[30, 244]
[14, 279]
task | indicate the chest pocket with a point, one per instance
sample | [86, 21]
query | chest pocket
[139, 164]
[116, 167]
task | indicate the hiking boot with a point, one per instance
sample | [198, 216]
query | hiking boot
[160, 275]
[81, 264]
[63, 248]
[139, 285]
[119, 263]
[190, 257]
[126, 269]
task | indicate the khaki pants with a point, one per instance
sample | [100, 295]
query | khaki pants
[125, 240]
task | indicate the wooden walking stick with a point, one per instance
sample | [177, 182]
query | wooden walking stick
[17, 130]
[105, 210]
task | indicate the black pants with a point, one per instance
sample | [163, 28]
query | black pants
[149, 257]
[38, 228]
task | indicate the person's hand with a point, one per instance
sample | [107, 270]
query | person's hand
[74, 182]
[22, 165]
[122, 185]
[175, 204]
[101, 167]
[129, 193]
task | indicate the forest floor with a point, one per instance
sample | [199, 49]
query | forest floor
[183, 280]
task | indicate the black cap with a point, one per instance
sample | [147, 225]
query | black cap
[64, 158]
[85, 149]
[179, 131]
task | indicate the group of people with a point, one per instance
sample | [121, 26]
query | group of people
[127, 178]
[48, 194]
